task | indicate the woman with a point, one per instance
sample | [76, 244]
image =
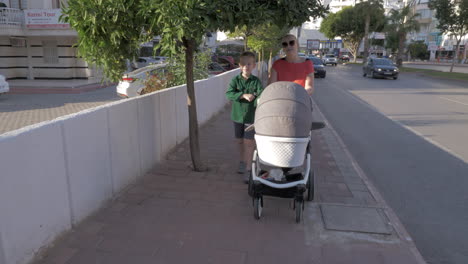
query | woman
[293, 68]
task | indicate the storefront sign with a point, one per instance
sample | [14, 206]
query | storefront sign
[313, 44]
[44, 19]
[432, 46]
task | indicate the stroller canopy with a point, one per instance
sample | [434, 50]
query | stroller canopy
[284, 110]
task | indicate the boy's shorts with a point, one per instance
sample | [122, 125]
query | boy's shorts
[239, 131]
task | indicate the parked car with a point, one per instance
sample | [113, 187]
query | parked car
[143, 62]
[4, 86]
[344, 58]
[300, 54]
[378, 67]
[227, 62]
[215, 68]
[133, 83]
[160, 59]
[319, 69]
[330, 59]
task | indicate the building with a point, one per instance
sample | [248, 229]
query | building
[34, 44]
[442, 47]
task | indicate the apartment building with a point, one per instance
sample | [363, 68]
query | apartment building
[442, 47]
[34, 44]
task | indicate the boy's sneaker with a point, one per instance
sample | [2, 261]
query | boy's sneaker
[241, 168]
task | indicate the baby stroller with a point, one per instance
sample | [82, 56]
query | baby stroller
[281, 163]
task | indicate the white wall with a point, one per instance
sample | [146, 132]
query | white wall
[56, 173]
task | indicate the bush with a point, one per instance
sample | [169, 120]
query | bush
[174, 73]
[419, 50]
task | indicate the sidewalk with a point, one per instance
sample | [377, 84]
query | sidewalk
[175, 215]
[56, 86]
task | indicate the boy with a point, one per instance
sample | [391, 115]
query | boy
[243, 91]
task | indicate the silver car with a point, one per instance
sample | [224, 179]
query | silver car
[330, 59]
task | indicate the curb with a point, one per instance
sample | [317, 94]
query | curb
[395, 221]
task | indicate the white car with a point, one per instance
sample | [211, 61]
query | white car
[133, 83]
[4, 86]
[160, 59]
[143, 62]
[330, 59]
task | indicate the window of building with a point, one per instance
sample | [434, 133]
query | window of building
[55, 4]
[50, 51]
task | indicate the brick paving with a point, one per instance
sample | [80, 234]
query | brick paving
[176, 215]
[20, 110]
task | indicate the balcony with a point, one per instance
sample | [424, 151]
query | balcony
[11, 18]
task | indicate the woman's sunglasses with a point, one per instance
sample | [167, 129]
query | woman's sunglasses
[291, 43]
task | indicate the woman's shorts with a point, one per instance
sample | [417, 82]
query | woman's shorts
[239, 131]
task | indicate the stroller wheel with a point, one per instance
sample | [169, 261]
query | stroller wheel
[258, 204]
[310, 186]
[299, 204]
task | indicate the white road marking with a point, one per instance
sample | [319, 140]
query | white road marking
[455, 101]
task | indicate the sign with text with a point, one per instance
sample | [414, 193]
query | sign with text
[313, 44]
[44, 19]
[432, 46]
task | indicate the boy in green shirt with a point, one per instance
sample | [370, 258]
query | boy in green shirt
[243, 91]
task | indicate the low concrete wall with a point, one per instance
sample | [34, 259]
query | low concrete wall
[56, 173]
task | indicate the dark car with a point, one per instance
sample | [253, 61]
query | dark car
[319, 69]
[379, 67]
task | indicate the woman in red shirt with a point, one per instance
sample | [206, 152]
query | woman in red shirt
[293, 68]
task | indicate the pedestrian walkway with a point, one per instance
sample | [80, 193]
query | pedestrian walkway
[56, 86]
[176, 215]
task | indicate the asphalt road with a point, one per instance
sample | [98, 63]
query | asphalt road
[410, 137]
[20, 110]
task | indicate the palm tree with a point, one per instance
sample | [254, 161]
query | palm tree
[401, 22]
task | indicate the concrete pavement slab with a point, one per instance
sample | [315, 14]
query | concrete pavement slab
[355, 219]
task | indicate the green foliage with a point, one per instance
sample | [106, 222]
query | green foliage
[402, 21]
[391, 41]
[266, 37]
[452, 16]
[349, 23]
[418, 50]
[176, 67]
[110, 31]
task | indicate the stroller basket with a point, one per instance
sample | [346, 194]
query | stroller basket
[281, 151]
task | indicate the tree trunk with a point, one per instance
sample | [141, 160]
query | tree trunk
[245, 42]
[366, 37]
[270, 62]
[401, 48]
[455, 58]
[189, 45]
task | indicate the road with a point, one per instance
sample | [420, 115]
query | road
[410, 138]
[20, 110]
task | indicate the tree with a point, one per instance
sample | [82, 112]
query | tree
[453, 19]
[349, 24]
[110, 32]
[265, 38]
[373, 11]
[400, 23]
